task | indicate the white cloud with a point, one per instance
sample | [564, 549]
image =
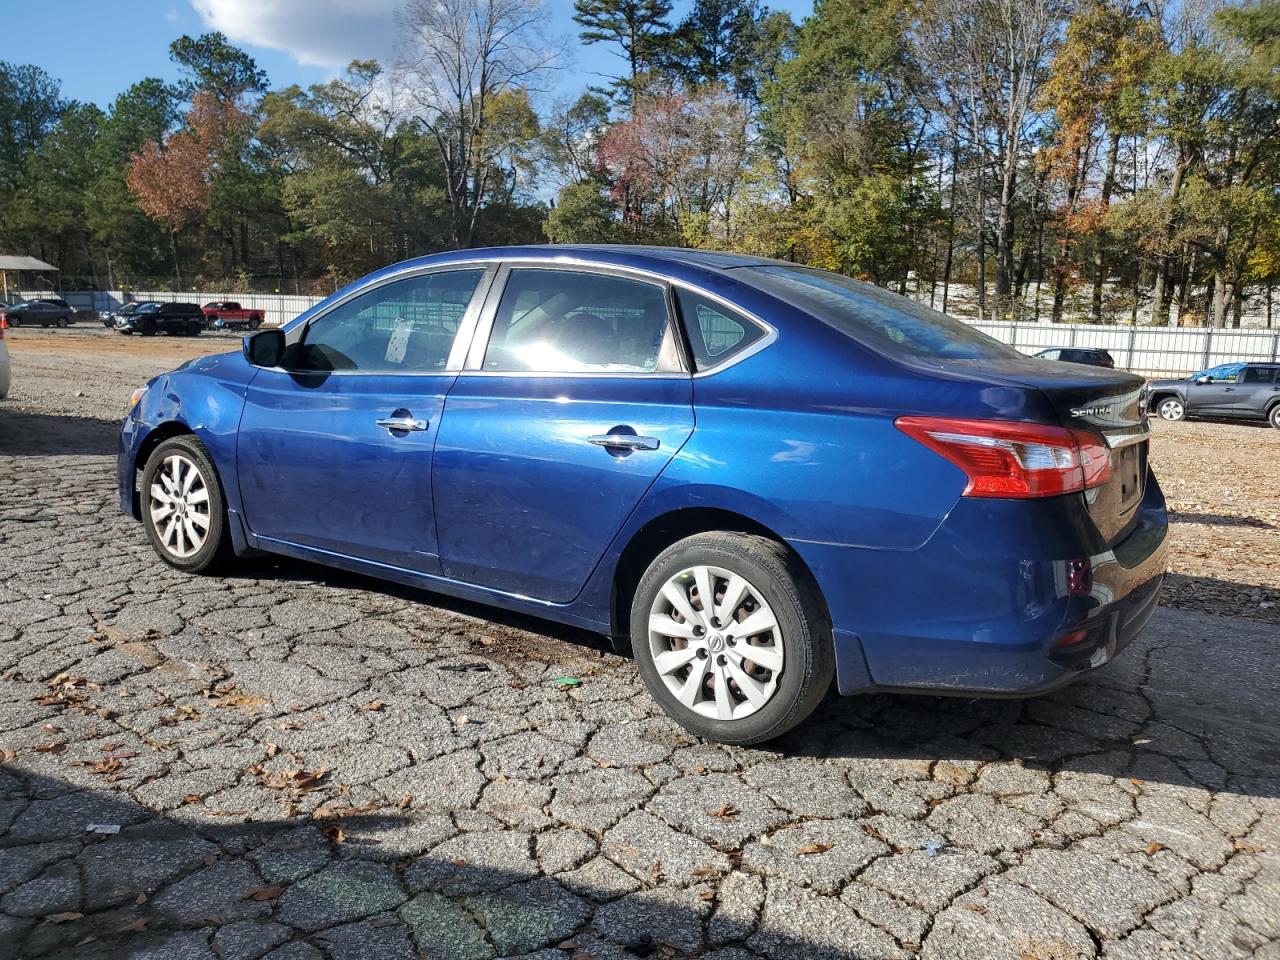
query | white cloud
[172, 16]
[322, 33]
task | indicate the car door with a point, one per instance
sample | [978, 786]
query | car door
[1214, 397]
[1256, 390]
[335, 446]
[574, 399]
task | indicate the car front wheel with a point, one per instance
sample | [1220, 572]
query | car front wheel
[1171, 409]
[731, 638]
[183, 508]
[1274, 416]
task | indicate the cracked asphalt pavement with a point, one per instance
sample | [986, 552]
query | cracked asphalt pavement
[290, 762]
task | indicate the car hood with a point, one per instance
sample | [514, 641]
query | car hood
[1171, 382]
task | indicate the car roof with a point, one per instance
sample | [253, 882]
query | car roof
[617, 254]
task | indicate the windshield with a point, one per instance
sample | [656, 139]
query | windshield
[148, 307]
[876, 317]
[1223, 371]
[129, 308]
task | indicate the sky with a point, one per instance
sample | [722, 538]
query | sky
[98, 48]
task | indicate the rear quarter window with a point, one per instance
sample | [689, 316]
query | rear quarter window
[716, 333]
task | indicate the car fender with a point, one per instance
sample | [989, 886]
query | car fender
[204, 397]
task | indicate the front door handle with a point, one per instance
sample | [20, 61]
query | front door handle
[624, 441]
[405, 424]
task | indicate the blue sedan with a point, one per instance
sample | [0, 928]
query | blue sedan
[763, 477]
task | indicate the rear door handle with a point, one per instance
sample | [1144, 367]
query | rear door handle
[624, 441]
[406, 424]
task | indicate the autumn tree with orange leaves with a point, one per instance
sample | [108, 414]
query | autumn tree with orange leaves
[172, 181]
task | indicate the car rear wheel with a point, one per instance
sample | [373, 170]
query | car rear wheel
[193, 329]
[62, 321]
[731, 638]
[1274, 416]
[183, 508]
[1171, 409]
[255, 323]
[148, 328]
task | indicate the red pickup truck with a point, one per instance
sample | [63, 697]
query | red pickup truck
[224, 314]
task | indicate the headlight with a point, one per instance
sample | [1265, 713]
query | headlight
[135, 397]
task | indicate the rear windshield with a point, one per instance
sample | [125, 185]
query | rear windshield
[876, 317]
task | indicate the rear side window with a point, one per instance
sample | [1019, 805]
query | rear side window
[716, 332]
[406, 326]
[876, 317]
[1259, 375]
[566, 321]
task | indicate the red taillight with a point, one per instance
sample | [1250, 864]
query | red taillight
[4, 324]
[1008, 459]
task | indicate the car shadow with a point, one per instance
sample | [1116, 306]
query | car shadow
[40, 435]
[1219, 520]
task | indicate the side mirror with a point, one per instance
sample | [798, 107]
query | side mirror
[1203, 379]
[265, 348]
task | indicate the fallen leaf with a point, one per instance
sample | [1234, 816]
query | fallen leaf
[384, 922]
[265, 893]
[63, 917]
[458, 861]
[1245, 846]
[137, 925]
[140, 899]
[7, 755]
[272, 750]
[703, 872]
[707, 895]
[811, 848]
[50, 728]
[977, 908]
[405, 802]
[373, 706]
[336, 834]
[725, 810]
[1154, 847]
[54, 748]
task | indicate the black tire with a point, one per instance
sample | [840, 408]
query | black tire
[1172, 409]
[148, 328]
[193, 329]
[255, 323]
[45, 325]
[216, 551]
[777, 575]
[15, 322]
[1273, 416]
[62, 321]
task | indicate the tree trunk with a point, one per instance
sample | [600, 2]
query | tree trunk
[951, 225]
[1159, 313]
[177, 267]
[1099, 261]
[1004, 240]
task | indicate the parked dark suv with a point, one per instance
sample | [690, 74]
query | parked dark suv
[1250, 391]
[1090, 356]
[152, 318]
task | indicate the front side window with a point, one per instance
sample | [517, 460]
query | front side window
[715, 332]
[566, 321]
[1222, 373]
[406, 326]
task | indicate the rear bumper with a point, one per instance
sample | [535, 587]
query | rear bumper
[1008, 598]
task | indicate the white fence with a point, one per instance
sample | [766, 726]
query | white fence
[1152, 351]
[277, 308]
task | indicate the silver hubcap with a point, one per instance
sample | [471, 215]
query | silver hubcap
[180, 506]
[1171, 410]
[715, 643]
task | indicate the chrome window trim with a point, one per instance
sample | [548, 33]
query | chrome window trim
[484, 329]
[298, 327]
[475, 357]
[488, 286]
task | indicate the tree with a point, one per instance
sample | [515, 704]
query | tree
[173, 181]
[30, 106]
[718, 42]
[638, 27]
[218, 67]
[583, 214]
[459, 56]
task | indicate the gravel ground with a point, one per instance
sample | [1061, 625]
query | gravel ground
[294, 763]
